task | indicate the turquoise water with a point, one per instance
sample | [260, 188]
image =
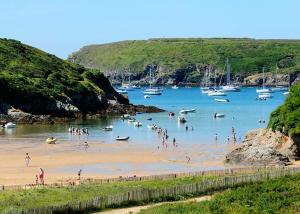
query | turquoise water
[242, 112]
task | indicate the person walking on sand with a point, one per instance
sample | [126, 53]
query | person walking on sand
[42, 176]
[174, 142]
[188, 159]
[86, 146]
[27, 159]
[79, 174]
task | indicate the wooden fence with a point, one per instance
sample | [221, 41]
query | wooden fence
[148, 195]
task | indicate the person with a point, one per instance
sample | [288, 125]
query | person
[186, 128]
[79, 174]
[188, 159]
[41, 176]
[215, 115]
[27, 159]
[36, 179]
[228, 139]
[216, 138]
[192, 128]
[86, 145]
[174, 142]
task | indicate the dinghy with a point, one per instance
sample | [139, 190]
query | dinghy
[138, 124]
[153, 127]
[108, 128]
[185, 111]
[122, 138]
[51, 140]
[125, 116]
[146, 96]
[219, 115]
[131, 120]
[181, 119]
[222, 100]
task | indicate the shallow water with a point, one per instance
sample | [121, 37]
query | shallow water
[242, 112]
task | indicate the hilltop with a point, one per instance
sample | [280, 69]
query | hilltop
[185, 60]
[34, 82]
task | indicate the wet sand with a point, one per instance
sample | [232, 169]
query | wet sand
[101, 160]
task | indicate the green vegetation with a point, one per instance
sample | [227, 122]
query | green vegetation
[281, 195]
[247, 56]
[28, 74]
[286, 118]
[45, 197]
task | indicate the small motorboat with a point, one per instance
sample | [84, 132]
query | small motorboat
[222, 100]
[108, 128]
[146, 96]
[181, 119]
[137, 124]
[175, 87]
[153, 127]
[10, 125]
[286, 93]
[136, 87]
[122, 91]
[138, 112]
[122, 138]
[131, 120]
[125, 116]
[51, 140]
[264, 90]
[216, 93]
[265, 95]
[185, 111]
[219, 115]
[149, 118]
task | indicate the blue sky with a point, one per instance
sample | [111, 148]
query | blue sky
[63, 26]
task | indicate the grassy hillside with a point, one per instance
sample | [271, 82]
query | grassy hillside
[40, 83]
[286, 118]
[247, 56]
[281, 195]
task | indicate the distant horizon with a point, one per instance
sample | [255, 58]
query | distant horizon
[63, 27]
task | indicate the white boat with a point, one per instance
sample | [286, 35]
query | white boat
[10, 125]
[222, 100]
[121, 91]
[263, 89]
[286, 93]
[152, 91]
[131, 120]
[122, 138]
[175, 87]
[126, 88]
[265, 95]
[146, 96]
[219, 115]
[216, 93]
[153, 127]
[51, 140]
[229, 87]
[125, 116]
[206, 90]
[279, 88]
[108, 128]
[136, 87]
[137, 124]
[185, 111]
[181, 119]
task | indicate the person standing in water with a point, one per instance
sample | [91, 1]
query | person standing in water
[174, 142]
[216, 138]
[79, 174]
[86, 146]
[27, 159]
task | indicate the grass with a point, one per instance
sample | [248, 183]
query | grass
[247, 56]
[43, 197]
[280, 195]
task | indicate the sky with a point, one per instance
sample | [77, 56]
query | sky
[64, 26]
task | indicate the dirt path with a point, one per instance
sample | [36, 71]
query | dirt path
[137, 209]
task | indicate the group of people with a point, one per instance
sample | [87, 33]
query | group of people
[78, 131]
[40, 175]
[233, 138]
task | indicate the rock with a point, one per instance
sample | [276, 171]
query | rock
[263, 146]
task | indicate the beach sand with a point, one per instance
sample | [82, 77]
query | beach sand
[62, 161]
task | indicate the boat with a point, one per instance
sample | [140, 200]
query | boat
[121, 91]
[137, 124]
[151, 90]
[51, 140]
[185, 111]
[229, 87]
[286, 93]
[125, 116]
[131, 120]
[216, 93]
[263, 89]
[146, 96]
[181, 119]
[279, 88]
[175, 87]
[222, 100]
[153, 127]
[108, 128]
[219, 115]
[150, 118]
[136, 87]
[10, 125]
[265, 95]
[122, 138]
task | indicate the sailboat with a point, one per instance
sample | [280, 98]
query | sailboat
[278, 87]
[229, 87]
[151, 90]
[263, 89]
[215, 92]
[206, 89]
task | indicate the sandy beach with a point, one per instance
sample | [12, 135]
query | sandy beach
[101, 160]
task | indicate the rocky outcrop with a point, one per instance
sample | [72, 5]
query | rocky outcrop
[265, 147]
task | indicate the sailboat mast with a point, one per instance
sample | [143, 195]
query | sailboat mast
[150, 78]
[263, 77]
[228, 71]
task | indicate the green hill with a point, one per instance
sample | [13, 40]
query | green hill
[286, 118]
[247, 56]
[40, 83]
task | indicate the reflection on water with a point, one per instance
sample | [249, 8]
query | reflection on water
[242, 112]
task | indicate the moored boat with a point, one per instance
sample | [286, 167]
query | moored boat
[122, 138]
[137, 124]
[10, 125]
[222, 100]
[51, 140]
[216, 93]
[219, 115]
[265, 95]
[185, 111]
[181, 119]
[146, 96]
[108, 128]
